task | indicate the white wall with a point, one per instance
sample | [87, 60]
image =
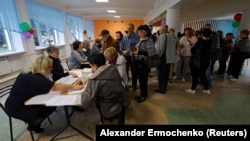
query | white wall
[214, 8]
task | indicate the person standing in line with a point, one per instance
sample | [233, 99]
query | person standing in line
[240, 52]
[108, 41]
[118, 60]
[200, 61]
[143, 49]
[227, 46]
[166, 48]
[215, 46]
[186, 43]
[129, 41]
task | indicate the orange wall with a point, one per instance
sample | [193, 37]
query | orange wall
[112, 26]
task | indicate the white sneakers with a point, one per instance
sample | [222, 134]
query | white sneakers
[233, 79]
[194, 91]
[190, 91]
[206, 91]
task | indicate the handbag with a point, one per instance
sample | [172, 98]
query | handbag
[153, 61]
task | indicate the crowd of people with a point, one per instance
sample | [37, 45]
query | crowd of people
[112, 61]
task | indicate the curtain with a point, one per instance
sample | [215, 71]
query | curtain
[8, 15]
[45, 14]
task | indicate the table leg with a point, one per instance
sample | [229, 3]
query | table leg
[68, 124]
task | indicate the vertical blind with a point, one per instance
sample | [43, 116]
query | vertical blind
[45, 14]
[89, 26]
[74, 22]
[217, 24]
[8, 15]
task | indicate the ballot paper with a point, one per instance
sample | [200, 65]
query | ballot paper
[86, 70]
[63, 100]
[67, 80]
[76, 91]
[78, 72]
[42, 99]
[55, 99]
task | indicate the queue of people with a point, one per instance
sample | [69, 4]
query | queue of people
[110, 59]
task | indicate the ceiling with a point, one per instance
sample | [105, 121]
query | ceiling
[126, 9]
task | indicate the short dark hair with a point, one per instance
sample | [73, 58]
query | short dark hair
[104, 32]
[145, 28]
[76, 44]
[119, 32]
[206, 32]
[97, 59]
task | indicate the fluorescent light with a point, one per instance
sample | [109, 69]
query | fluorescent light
[111, 11]
[117, 16]
[102, 0]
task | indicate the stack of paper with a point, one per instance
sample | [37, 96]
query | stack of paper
[78, 72]
[86, 70]
[67, 80]
[55, 99]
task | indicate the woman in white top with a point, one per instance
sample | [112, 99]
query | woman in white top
[113, 57]
[186, 43]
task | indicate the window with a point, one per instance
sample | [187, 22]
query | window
[10, 33]
[48, 24]
[89, 26]
[75, 27]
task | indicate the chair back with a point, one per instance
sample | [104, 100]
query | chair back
[4, 94]
[120, 116]
[67, 62]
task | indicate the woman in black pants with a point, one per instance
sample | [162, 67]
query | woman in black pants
[200, 61]
[144, 48]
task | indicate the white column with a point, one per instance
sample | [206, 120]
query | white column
[245, 22]
[173, 19]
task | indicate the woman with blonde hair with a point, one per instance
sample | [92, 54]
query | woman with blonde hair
[34, 80]
[113, 57]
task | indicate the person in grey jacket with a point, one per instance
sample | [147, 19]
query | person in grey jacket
[240, 52]
[77, 56]
[105, 88]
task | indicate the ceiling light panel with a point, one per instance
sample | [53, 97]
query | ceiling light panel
[102, 0]
[111, 11]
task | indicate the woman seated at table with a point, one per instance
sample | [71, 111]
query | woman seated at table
[105, 88]
[77, 56]
[31, 82]
[57, 71]
[113, 57]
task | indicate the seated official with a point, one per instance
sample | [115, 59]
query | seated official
[96, 46]
[77, 56]
[113, 57]
[86, 48]
[31, 82]
[105, 87]
[57, 71]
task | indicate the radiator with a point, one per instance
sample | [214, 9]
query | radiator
[4, 66]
